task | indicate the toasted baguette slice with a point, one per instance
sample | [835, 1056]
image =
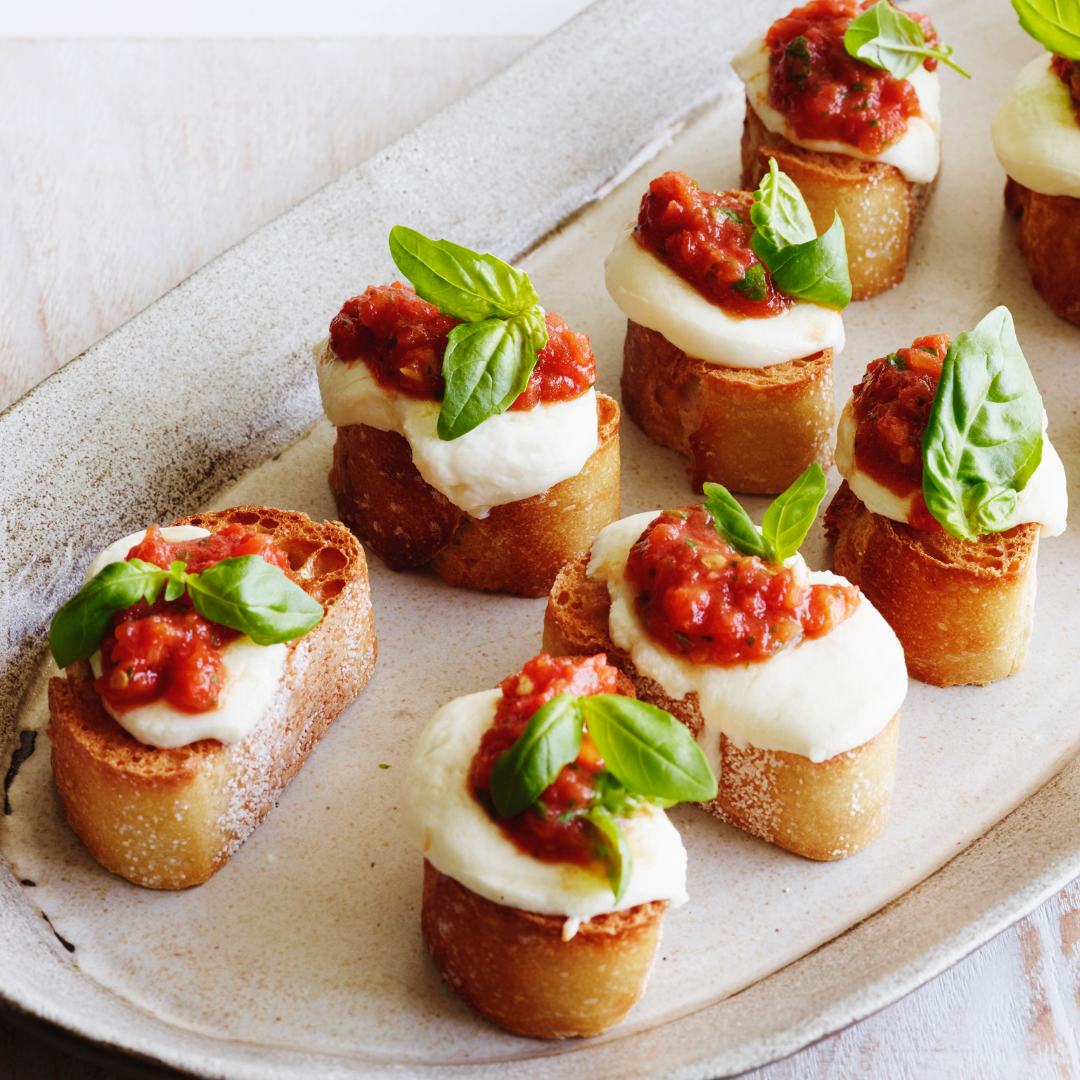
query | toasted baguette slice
[823, 810]
[962, 609]
[750, 429]
[513, 966]
[168, 819]
[1050, 243]
[879, 208]
[517, 549]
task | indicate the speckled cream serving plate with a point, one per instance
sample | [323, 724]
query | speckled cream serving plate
[304, 954]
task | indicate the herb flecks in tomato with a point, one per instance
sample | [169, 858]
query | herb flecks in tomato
[702, 600]
[824, 92]
[705, 238]
[891, 407]
[402, 339]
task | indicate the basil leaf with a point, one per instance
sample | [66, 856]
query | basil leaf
[779, 212]
[551, 739]
[887, 38]
[733, 523]
[1054, 24]
[461, 283]
[77, 628]
[486, 366]
[791, 514]
[984, 438]
[614, 850]
[647, 749]
[753, 283]
[246, 593]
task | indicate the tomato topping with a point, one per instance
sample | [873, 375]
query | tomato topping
[1068, 71]
[704, 601]
[705, 238]
[891, 407]
[167, 649]
[824, 92]
[402, 339]
[544, 830]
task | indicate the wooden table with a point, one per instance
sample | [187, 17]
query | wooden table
[124, 166]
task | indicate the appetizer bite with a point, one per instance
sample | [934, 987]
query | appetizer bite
[1036, 134]
[949, 480]
[733, 306]
[203, 663]
[845, 96]
[788, 678]
[469, 433]
[548, 859]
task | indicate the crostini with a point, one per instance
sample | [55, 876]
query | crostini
[203, 662]
[733, 306]
[1036, 133]
[548, 859]
[788, 678]
[469, 434]
[844, 95]
[949, 481]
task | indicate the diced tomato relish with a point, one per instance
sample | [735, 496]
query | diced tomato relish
[704, 601]
[891, 407]
[824, 92]
[402, 339]
[705, 238]
[547, 831]
[1068, 71]
[167, 649]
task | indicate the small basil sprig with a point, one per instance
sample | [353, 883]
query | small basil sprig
[786, 522]
[490, 356]
[802, 264]
[886, 38]
[244, 593]
[983, 439]
[1054, 24]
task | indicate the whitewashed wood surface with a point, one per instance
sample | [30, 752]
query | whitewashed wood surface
[124, 166]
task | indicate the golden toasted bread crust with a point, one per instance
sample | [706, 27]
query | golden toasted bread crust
[879, 208]
[823, 810]
[750, 429]
[517, 549]
[962, 609]
[1050, 243]
[513, 966]
[168, 819]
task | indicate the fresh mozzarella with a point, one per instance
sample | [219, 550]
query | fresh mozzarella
[118, 551]
[917, 153]
[1036, 134]
[509, 457]
[819, 698]
[455, 833]
[1045, 497]
[653, 295]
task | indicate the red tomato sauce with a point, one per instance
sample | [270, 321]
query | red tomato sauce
[402, 339]
[1068, 71]
[702, 600]
[825, 93]
[705, 238]
[539, 831]
[167, 649]
[891, 407]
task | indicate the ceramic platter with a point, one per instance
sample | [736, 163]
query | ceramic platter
[303, 955]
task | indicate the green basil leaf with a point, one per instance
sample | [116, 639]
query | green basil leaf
[733, 523]
[461, 283]
[647, 749]
[486, 366]
[615, 850]
[779, 212]
[1054, 24]
[77, 628]
[984, 438]
[753, 283]
[174, 587]
[791, 514]
[886, 38]
[551, 739]
[247, 594]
